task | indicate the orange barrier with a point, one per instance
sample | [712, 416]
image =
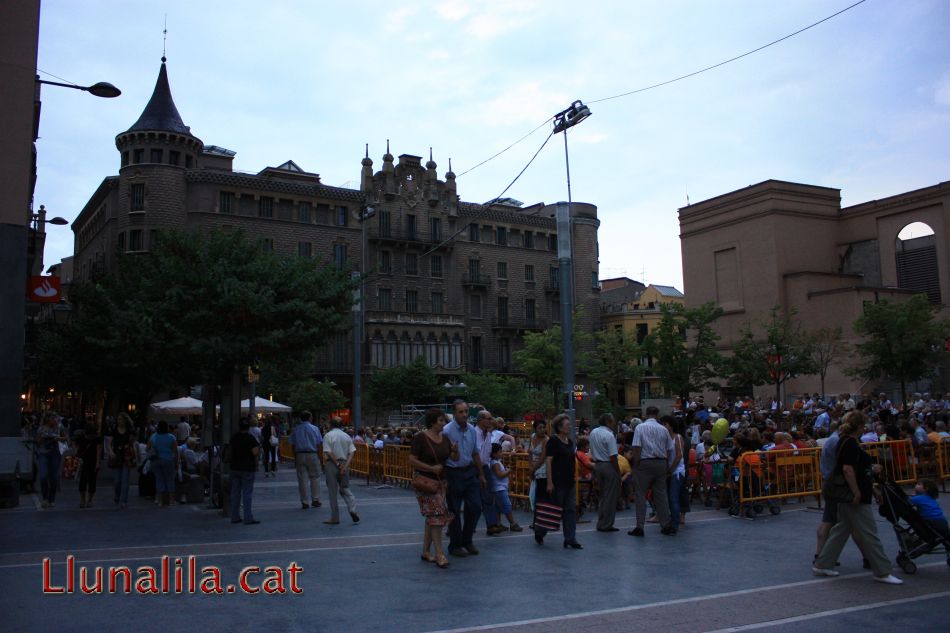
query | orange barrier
[768, 475]
[285, 450]
[396, 466]
[519, 475]
[359, 465]
[896, 458]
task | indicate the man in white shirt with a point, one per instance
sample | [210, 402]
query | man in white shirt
[484, 438]
[182, 431]
[603, 451]
[338, 449]
[652, 448]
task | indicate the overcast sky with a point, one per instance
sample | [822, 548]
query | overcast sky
[860, 103]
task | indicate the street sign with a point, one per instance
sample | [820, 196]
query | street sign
[43, 289]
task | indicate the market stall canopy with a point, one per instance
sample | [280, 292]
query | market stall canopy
[263, 404]
[179, 406]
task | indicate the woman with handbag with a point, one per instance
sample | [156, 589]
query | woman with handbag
[270, 441]
[539, 475]
[121, 456]
[851, 488]
[555, 496]
[428, 454]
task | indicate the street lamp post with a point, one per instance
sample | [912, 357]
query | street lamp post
[101, 89]
[358, 300]
[564, 120]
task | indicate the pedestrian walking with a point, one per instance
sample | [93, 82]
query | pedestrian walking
[466, 480]
[270, 443]
[245, 452]
[338, 449]
[163, 453]
[89, 450]
[428, 455]
[306, 441]
[558, 488]
[49, 458]
[652, 448]
[120, 453]
[603, 451]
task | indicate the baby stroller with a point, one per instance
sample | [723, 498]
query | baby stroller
[915, 536]
[752, 485]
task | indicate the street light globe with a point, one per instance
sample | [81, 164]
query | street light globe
[104, 89]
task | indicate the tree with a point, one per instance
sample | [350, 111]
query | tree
[542, 361]
[683, 347]
[290, 385]
[827, 345]
[202, 305]
[783, 354]
[615, 363]
[506, 396]
[390, 388]
[901, 340]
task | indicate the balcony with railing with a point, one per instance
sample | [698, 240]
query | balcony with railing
[517, 324]
[476, 280]
[552, 287]
[414, 318]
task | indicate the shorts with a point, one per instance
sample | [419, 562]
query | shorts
[830, 514]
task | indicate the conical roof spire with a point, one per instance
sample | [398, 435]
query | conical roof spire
[160, 113]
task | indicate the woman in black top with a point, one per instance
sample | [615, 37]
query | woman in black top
[121, 454]
[560, 485]
[89, 450]
[855, 517]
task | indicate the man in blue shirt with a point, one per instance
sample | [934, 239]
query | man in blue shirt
[307, 441]
[466, 479]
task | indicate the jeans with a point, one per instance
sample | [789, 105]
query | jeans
[674, 487]
[121, 477]
[488, 500]
[242, 487]
[164, 470]
[49, 465]
[463, 486]
[567, 499]
[503, 501]
[88, 475]
[270, 457]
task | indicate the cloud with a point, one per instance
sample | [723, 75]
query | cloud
[942, 93]
[523, 104]
[395, 20]
[453, 10]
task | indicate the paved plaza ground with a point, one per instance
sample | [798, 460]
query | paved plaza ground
[717, 574]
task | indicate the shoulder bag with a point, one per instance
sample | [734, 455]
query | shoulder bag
[836, 488]
[422, 484]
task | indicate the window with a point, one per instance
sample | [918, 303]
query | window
[504, 354]
[436, 303]
[474, 235]
[137, 197]
[642, 331]
[285, 209]
[155, 155]
[226, 202]
[552, 242]
[412, 264]
[385, 299]
[267, 245]
[174, 157]
[304, 212]
[487, 232]
[528, 271]
[528, 239]
[411, 227]
[339, 256]
[554, 277]
[138, 156]
[529, 314]
[503, 270]
[384, 218]
[305, 249]
[501, 236]
[125, 158]
[265, 207]
[385, 262]
[136, 240]
[474, 269]
[412, 301]
[435, 266]
[436, 229]
[476, 353]
[342, 216]
[323, 214]
[475, 306]
[502, 310]
[594, 281]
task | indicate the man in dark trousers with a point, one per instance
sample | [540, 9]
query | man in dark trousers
[244, 453]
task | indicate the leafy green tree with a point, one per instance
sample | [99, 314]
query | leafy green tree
[901, 340]
[506, 396]
[542, 361]
[783, 353]
[390, 388]
[683, 347]
[827, 345]
[200, 306]
[288, 384]
[615, 363]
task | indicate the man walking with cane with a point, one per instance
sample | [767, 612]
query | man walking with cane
[338, 448]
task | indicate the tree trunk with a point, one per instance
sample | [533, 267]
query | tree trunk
[822, 386]
[903, 392]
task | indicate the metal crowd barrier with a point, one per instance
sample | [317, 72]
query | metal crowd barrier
[396, 468]
[359, 465]
[519, 476]
[896, 458]
[774, 475]
[943, 461]
[285, 451]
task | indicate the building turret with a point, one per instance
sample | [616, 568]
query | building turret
[366, 175]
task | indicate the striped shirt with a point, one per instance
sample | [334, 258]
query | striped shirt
[654, 440]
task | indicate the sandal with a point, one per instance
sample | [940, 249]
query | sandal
[427, 557]
[441, 561]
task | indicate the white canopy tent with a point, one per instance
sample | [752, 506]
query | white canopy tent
[263, 404]
[179, 406]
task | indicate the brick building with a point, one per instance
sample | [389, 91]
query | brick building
[454, 282]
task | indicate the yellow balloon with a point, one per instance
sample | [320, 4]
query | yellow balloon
[720, 430]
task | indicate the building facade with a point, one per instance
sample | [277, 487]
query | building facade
[792, 245]
[628, 306]
[453, 282]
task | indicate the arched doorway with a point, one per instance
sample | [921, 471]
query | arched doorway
[916, 254]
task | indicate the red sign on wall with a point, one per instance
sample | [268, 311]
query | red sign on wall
[44, 289]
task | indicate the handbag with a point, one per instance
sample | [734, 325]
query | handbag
[836, 488]
[547, 515]
[422, 484]
[274, 441]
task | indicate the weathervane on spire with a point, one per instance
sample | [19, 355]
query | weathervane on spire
[164, 38]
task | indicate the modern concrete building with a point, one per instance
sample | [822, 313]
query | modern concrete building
[634, 309]
[454, 282]
[793, 245]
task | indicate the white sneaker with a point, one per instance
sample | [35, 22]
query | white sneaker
[818, 571]
[889, 580]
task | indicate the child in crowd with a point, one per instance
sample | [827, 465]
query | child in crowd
[926, 503]
[499, 485]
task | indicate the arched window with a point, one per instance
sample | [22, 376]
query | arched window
[444, 351]
[405, 350]
[376, 350]
[432, 351]
[418, 347]
[391, 350]
[456, 359]
[916, 254]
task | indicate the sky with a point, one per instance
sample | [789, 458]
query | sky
[860, 103]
